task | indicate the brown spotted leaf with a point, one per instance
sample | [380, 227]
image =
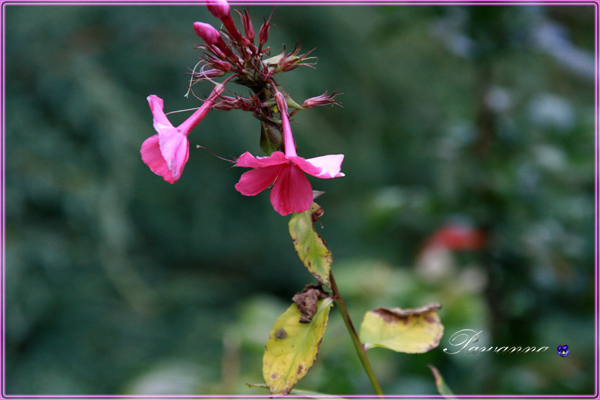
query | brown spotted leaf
[307, 301]
[292, 347]
[311, 249]
[408, 331]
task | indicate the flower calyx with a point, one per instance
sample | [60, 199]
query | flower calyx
[289, 62]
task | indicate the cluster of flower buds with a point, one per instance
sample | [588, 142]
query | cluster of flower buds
[229, 52]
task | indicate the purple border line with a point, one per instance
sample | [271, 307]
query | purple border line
[596, 198]
[3, 208]
[304, 3]
[307, 3]
[310, 3]
[223, 396]
[362, 397]
[3, 200]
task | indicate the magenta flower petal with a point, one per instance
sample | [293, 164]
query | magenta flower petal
[157, 109]
[171, 146]
[249, 161]
[330, 166]
[152, 157]
[256, 180]
[292, 191]
[175, 149]
[306, 166]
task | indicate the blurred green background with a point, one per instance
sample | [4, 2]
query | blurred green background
[468, 135]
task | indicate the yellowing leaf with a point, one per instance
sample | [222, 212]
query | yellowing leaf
[306, 394]
[292, 347]
[311, 249]
[408, 331]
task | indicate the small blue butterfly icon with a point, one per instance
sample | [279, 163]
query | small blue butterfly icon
[563, 350]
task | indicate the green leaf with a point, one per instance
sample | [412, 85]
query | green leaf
[270, 137]
[407, 331]
[304, 393]
[442, 388]
[311, 249]
[291, 103]
[292, 347]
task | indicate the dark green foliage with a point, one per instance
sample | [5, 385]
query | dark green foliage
[118, 282]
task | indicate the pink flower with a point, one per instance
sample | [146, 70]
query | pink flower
[291, 191]
[167, 152]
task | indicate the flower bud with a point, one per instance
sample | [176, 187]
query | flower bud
[211, 73]
[218, 8]
[209, 34]
[220, 65]
[263, 34]
[248, 28]
[213, 41]
[224, 105]
[218, 52]
[289, 63]
[266, 74]
[322, 100]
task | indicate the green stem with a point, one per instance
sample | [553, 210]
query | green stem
[360, 350]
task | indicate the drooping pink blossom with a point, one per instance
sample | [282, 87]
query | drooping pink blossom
[167, 152]
[291, 192]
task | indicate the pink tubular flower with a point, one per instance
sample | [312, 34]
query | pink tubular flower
[167, 152]
[291, 191]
